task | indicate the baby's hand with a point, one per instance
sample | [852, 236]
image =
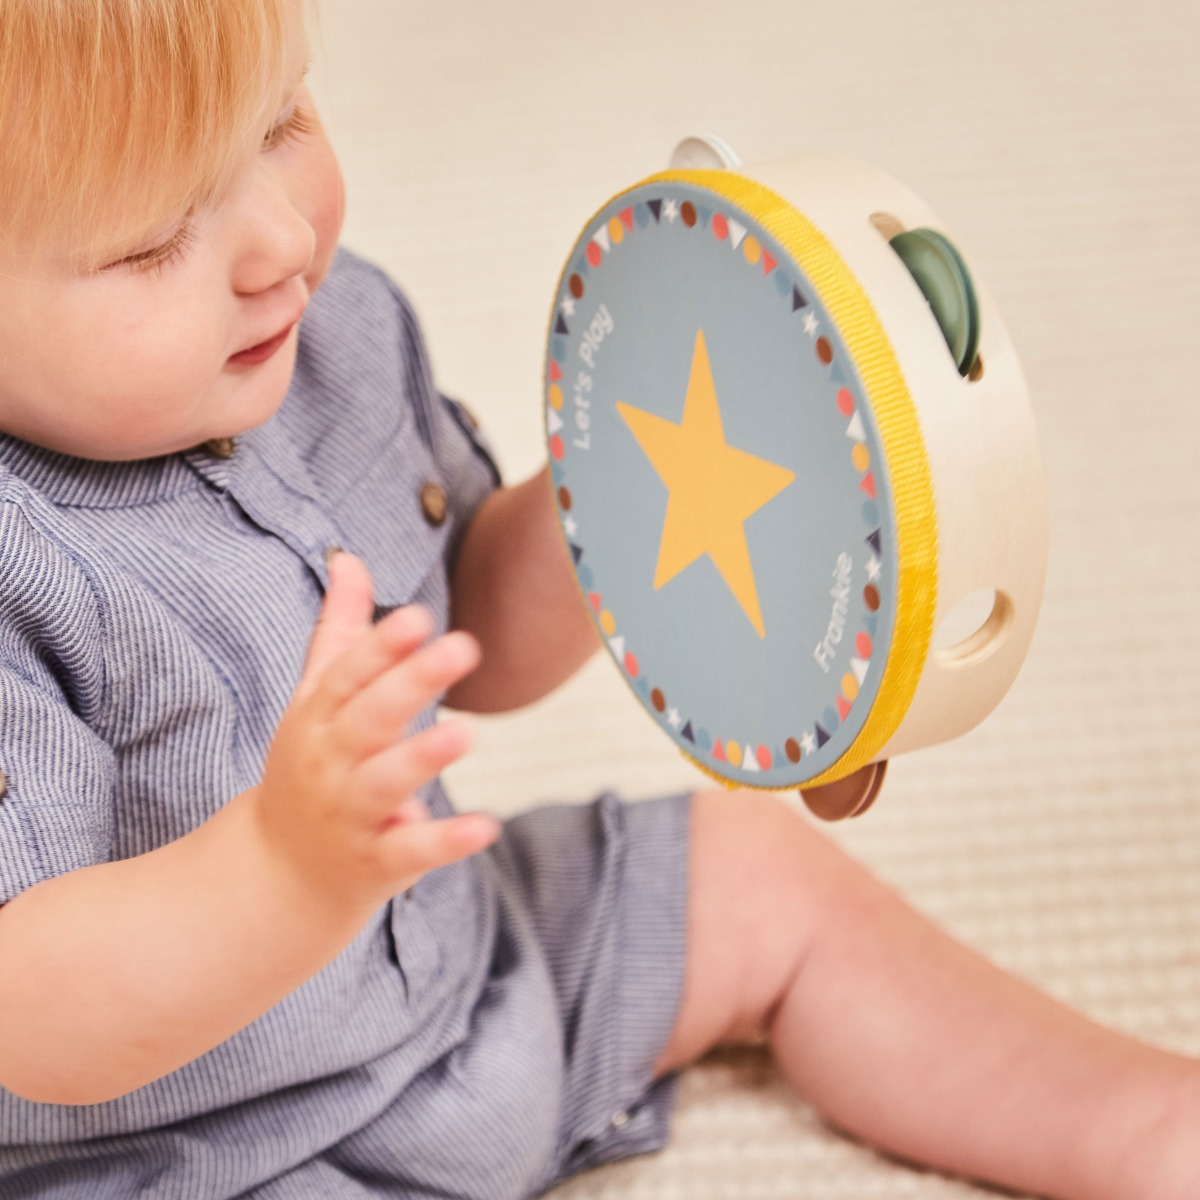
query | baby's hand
[337, 800]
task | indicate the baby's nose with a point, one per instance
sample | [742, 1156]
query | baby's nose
[278, 241]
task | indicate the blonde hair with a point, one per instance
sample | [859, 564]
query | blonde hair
[115, 115]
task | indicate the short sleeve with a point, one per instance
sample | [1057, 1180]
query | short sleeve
[56, 814]
[373, 430]
[460, 452]
[466, 460]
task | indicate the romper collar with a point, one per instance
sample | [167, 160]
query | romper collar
[70, 482]
[85, 483]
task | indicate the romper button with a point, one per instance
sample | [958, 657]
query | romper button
[433, 503]
[219, 447]
[620, 1120]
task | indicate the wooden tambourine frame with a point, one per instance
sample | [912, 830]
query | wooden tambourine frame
[795, 465]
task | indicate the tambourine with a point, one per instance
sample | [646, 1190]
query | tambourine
[795, 464]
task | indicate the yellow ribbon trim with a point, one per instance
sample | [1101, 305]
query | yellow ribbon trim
[904, 452]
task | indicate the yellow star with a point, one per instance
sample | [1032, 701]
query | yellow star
[712, 487]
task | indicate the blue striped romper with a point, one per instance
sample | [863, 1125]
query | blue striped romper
[484, 1036]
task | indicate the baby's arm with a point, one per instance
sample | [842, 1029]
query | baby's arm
[513, 589]
[115, 975]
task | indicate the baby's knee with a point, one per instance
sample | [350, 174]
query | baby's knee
[763, 850]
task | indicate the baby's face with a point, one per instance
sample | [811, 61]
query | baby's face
[188, 337]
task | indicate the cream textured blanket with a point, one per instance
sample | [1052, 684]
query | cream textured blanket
[1060, 141]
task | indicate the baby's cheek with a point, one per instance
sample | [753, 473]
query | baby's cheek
[168, 386]
[329, 208]
[173, 361]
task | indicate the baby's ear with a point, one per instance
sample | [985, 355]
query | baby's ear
[346, 613]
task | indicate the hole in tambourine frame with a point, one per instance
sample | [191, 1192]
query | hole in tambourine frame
[973, 628]
[943, 278]
[887, 225]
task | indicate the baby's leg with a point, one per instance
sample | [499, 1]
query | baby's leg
[899, 1035]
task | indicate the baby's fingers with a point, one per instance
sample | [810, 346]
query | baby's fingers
[378, 716]
[345, 615]
[417, 848]
[388, 780]
[378, 649]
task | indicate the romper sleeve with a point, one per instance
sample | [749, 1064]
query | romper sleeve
[460, 450]
[372, 426]
[56, 811]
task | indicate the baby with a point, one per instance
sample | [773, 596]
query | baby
[246, 947]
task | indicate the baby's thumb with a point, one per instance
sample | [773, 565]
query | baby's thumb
[345, 615]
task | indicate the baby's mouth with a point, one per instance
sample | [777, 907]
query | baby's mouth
[253, 355]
